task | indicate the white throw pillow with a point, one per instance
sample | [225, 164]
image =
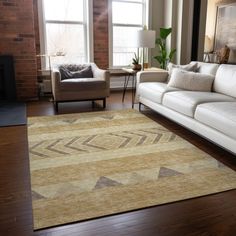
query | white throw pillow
[193, 66]
[191, 81]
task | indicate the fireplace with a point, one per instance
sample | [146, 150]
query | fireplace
[7, 79]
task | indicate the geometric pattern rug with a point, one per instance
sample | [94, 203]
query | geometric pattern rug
[96, 164]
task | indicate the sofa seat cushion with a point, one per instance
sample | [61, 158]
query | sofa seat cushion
[186, 102]
[81, 84]
[154, 91]
[218, 115]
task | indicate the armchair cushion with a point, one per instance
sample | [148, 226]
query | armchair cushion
[82, 84]
[75, 71]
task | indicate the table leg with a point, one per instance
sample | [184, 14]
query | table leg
[125, 86]
[133, 89]
[133, 92]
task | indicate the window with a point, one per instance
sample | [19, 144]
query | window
[127, 17]
[65, 30]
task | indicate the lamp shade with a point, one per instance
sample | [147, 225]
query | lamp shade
[146, 38]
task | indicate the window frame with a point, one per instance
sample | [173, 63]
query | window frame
[87, 26]
[145, 21]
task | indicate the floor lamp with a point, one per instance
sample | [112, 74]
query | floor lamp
[145, 39]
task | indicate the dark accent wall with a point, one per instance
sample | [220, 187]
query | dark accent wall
[7, 79]
[195, 34]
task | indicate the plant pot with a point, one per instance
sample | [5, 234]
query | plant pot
[137, 67]
[145, 65]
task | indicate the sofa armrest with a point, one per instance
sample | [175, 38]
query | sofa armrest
[157, 75]
[152, 76]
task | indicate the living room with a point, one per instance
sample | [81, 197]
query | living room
[128, 152]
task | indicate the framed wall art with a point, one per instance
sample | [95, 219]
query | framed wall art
[225, 33]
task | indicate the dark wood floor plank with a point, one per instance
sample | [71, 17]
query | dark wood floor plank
[15, 196]
[213, 215]
[200, 216]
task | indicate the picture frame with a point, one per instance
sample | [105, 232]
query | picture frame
[225, 30]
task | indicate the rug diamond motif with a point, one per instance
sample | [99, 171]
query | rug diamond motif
[105, 182]
[166, 172]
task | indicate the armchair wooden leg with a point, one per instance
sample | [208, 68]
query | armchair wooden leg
[93, 103]
[139, 106]
[104, 103]
[56, 106]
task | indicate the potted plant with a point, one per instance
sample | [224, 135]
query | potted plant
[135, 62]
[164, 57]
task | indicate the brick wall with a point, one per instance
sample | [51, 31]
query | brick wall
[17, 39]
[101, 40]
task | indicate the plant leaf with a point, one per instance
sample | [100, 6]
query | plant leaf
[158, 41]
[159, 59]
[135, 59]
[164, 54]
[172, 52]
[164, 32]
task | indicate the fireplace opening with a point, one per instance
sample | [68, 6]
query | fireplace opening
[7, 79]
[2, 92]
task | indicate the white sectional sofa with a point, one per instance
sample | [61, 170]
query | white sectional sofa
[209, 114]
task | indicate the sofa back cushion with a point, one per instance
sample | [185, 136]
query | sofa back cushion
[207, 68]
[193, 66]
[225, 80]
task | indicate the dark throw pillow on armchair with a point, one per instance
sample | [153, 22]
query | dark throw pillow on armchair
[84, 73]
[65, 73]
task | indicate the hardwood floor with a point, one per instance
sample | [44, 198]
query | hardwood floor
[209, 215]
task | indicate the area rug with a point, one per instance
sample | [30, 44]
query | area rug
[96, 164]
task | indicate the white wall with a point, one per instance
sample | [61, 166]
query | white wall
[186, 31]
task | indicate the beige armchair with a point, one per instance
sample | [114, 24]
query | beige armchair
[69, 85]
